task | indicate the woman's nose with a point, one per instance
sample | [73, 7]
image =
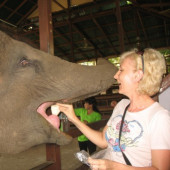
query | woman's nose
[116, 75]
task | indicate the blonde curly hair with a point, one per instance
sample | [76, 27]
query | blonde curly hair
[154, 67]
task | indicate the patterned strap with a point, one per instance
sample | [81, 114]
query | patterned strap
[120, 132]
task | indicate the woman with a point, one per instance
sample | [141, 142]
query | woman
[88, 114]
[145, 134]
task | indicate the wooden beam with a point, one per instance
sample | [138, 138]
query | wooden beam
[74, 132]
[166, 33]
[2, 4]
[120, 26]
[47, 45]
[103, 32]
[68, 11]
[108, 12]
[16, 9]
[113, 34]
[55, 1]
[27, 14]
[87, 38]
[128, 45]
[159, 4]
[70, 29]
[143, 28]
[45, 26]
[150, 11]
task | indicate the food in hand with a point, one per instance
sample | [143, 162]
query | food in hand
[55, 110]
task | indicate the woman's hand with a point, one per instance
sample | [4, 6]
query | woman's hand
[68, 110]
[104, 164]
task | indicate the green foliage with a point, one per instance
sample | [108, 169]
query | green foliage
[128, 2]
[166, 53]
[115, 61]
[88, 63]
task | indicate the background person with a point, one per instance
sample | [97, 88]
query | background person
[88, 114]
[113, 103]
[146, 128]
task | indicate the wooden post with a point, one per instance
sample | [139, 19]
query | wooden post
[120, 26]
[47, 45]
[45, 26]
[53, 155]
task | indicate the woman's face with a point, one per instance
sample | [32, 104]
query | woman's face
[87, 105]
[126, 77]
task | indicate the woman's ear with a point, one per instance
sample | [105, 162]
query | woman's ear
[138, 75]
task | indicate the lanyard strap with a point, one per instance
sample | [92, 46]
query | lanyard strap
[120, 132]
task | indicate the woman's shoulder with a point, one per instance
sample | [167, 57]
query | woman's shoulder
[158, 110]
[123, 103]
[159, 121]
[155, 114]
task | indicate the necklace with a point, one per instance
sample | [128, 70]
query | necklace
[139, 108]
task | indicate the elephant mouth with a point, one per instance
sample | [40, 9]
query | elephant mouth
[45, 111]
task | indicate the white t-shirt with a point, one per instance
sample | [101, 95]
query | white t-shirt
[142, 131]
[164, 98]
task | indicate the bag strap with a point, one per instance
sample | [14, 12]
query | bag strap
[120, 132]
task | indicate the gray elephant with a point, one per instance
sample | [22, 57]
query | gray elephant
[30, 82]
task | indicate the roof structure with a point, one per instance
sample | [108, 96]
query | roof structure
[88, 29]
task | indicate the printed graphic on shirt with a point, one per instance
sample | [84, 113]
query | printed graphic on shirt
[131, 133]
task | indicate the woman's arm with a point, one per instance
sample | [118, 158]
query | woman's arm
[160, 161]
[103, 164]
[97, 137]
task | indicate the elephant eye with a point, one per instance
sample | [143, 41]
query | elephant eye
[24, 62]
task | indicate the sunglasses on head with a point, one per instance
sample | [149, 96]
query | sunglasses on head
[142, 58]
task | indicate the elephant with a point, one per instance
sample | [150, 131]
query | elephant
[30, 82]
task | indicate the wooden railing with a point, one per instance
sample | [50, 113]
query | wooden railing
[74, 132]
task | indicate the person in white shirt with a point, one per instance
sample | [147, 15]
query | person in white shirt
[145, 133]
